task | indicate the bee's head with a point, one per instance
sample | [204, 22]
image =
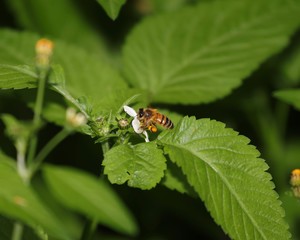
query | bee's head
[141, 113]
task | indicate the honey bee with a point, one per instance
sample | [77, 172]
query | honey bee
[149, 117]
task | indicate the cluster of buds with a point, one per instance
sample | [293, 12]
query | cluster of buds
[295, 182]
[44, 50]
[75, 119]
[123, 123]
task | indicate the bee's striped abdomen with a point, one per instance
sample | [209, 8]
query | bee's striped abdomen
[164, 121]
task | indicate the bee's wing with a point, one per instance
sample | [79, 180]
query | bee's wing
[152, 109]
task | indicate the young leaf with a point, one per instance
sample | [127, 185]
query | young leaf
[17, 77]
[19, 201]
[229, 177]
[199, 54]
[112, 7]
[18, 131]
[88, 195]
[291, 96]
[15, 128]
[142, 165]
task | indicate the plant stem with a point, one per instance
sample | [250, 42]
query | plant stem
[105, 147]
[37, 113]
[89, 229]
[48, 148]
[21, 165]
[91, 224]
[17, 231]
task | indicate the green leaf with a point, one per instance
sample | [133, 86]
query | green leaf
[291, 66]
[174, 179]
[112, 7]
[88, 195]
[55, 113]
[229, 177]
[16, 129]
[84, 73]
[52, 20]
[292, 210]
[114, 103]
[291, 96]
[17, 77]
[197, 55]
[142, 165]
[19, 201]
[166, 5]
[58, 83]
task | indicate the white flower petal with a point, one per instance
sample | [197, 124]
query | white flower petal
[137, 125]
[146, 135]
[130, 111]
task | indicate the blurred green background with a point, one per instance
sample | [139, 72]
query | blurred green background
[272, 126]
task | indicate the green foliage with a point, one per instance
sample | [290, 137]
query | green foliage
[89, 196]
[52, 20]
[93, 78]
[291, 67]
[15, 129]
[86, 73]
[176, 180]
[183, 53]
[112, 7]
[228, 176]
[20, 202]
[17, 77]
[142, 165]
[18, 131]
[6, 228]
[291, 96]
[204, 57]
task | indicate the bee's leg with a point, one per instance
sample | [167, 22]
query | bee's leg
[152, 128]
[142, 123]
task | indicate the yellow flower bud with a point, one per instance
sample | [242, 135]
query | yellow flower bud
[295, 178]
[44, 50]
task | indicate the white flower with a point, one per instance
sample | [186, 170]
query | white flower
[136, 124]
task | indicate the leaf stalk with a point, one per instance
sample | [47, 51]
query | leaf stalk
[17, 231]
[37, 114]
[58, 138]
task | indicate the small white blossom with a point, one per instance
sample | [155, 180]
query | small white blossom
[130, 111]
[136, 124]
